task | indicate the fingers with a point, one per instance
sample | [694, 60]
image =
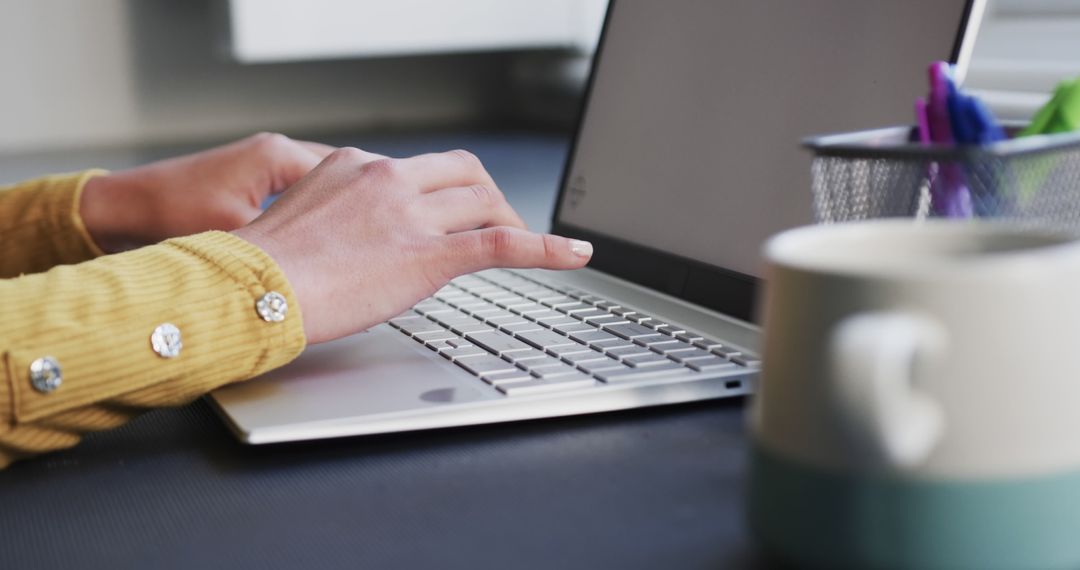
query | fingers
[318, 149]
[434, 171]
[291, 159]
[511, 247]
[468, 208]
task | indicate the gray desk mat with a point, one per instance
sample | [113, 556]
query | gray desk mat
[637, 489]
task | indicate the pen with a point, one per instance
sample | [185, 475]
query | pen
[949, 193]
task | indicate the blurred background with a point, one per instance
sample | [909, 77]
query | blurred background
[120, 72]
[113, 82]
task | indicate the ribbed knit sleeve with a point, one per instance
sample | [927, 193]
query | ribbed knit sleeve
[95, 321]
[40, 225]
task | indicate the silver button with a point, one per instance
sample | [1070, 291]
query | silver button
[45, 374]
[165, 340]
[272, 307]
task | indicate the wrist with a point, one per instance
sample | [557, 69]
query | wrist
[110, 211]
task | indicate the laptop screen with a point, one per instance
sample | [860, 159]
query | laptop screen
[690, 137]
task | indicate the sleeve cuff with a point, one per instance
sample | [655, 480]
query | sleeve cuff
[208, 286]
[78, 227]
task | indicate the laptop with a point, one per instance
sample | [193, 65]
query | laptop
[686, 159]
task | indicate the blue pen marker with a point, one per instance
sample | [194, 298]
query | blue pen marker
[973, 124]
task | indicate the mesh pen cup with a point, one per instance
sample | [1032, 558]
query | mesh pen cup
[886, 173]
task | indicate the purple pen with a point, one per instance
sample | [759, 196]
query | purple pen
[949, 193]
[923, 120]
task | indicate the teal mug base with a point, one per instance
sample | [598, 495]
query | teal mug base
[811, 517]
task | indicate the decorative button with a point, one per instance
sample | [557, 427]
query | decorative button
[272, 307]
[45, 374]
[165, 340]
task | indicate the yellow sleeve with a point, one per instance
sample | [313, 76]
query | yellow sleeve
[95, 320]
[40, 225]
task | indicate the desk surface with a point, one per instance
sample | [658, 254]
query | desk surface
[650, 488]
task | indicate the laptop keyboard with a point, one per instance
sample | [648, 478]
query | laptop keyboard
[525, 337]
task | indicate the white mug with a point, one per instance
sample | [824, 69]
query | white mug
[919, 405]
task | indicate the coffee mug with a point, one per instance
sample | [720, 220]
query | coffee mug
[919, 405]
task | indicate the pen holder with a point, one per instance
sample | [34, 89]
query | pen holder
[886, 173]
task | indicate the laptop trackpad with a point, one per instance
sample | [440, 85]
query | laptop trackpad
[377, 372]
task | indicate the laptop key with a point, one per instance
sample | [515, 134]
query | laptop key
[463, 352]
[575, 326]
[597, 366]
[687, 354]
[564, 349]
[513, 301]
[665, 328]
[608, 320]
[526, 310]
[471, 328]
[575, 308]
[590, 314]
[629, 331]
[557, 383]
[688, 337]
[560, 301]
[413, 328]
[669, 346]
[643, 373]
[543, 338]
[526, 356]
[497, 342]
[497, 378]
[499, 314]
[409, 316]
[554, 371]
[647, 359]
[540, 363]
[521, 327]
[545, 315]
[745, 360]
[479, 365]
[588, 355]
[451, 319]
[638, 318]
[661, 342]
[621, 351]
[442, 334]
[592, 335]
[710, 363]
[438, 345]
[646, 340]
[726, 352]
[707, 343]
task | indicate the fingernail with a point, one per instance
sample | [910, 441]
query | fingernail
[581, 248]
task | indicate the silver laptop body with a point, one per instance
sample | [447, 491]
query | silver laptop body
[685, 160]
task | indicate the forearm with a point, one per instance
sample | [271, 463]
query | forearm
[96, 319]
[40, 225]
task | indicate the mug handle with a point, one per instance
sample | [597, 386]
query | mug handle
[881, 410]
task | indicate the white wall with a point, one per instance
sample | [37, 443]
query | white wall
[75, 73]
[292, 30]
[1025, 48]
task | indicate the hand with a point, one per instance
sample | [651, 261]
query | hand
[218, 189]
[362, 238]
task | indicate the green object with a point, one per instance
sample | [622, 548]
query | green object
[821, 519]
[1061, 114]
